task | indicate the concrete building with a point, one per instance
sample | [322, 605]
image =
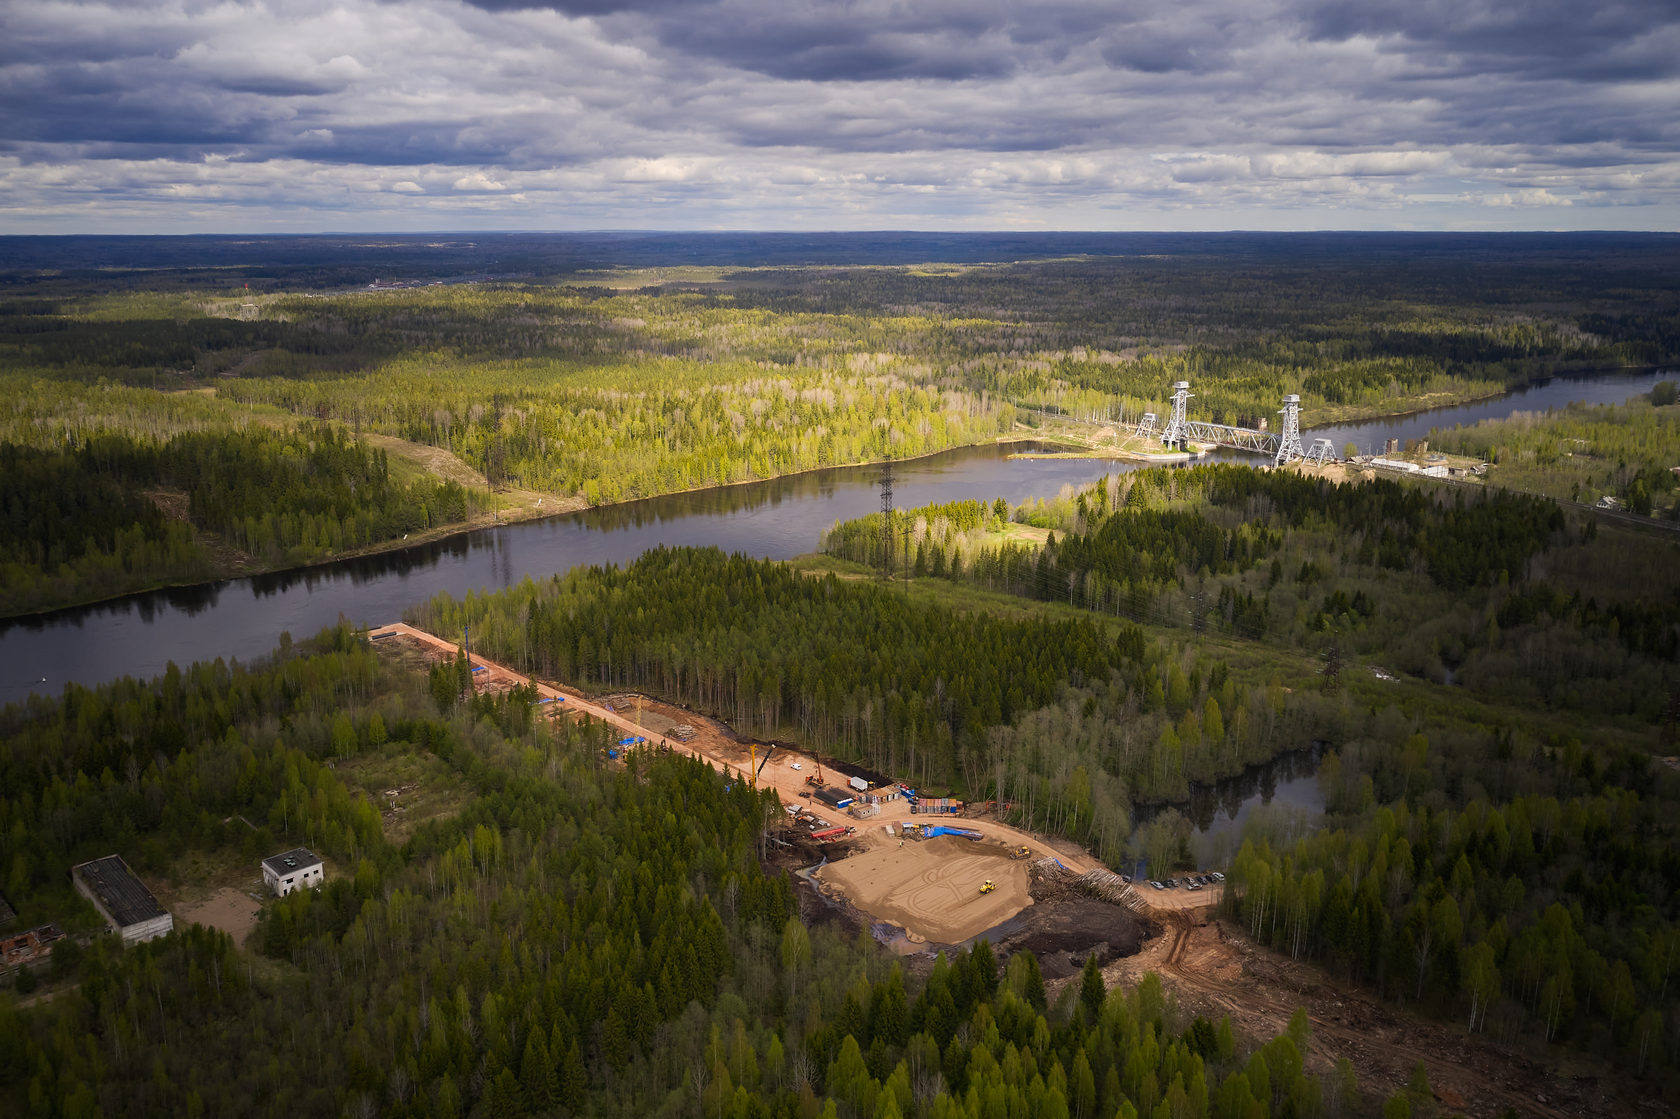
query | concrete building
[122, 899]
[294, 870]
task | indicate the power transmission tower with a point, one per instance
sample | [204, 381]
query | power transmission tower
[889, 540]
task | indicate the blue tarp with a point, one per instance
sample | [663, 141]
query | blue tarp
[633, 740]
[929, 831]
[480, 668]
[552, 699]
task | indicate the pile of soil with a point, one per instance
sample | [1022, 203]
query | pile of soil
[1064, 932]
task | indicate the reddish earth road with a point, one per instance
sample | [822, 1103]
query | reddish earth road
[786, 771]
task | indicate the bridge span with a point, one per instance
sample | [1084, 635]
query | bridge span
[1283, 445]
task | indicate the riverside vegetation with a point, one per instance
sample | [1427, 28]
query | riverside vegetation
[1582, 453]
[563, 386]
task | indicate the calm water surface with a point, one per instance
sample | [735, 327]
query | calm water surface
[243, 618]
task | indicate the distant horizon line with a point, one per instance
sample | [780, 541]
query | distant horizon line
[635, 231]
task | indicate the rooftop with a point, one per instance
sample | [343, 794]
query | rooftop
[288, 862]
[124, 896]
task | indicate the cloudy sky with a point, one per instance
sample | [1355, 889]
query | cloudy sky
[197, 115]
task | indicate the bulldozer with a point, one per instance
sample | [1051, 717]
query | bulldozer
[1021, 852]
[987, 886]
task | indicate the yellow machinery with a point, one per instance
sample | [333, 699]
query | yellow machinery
[1021, 852]
[987, 886]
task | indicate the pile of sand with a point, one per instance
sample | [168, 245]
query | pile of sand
[931, 888]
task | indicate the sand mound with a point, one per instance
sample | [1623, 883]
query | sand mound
[931, 888]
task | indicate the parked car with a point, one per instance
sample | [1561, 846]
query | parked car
[1171, 883]
[1218, 877]
[795, 765]
[1191, 884]
[1156, 884]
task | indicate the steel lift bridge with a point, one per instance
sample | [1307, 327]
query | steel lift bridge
[1283, 445]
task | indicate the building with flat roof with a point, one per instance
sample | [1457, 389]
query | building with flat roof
[122, 899]
[292, 870]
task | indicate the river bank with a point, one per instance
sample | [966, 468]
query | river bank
[521, 506]
[139, 634]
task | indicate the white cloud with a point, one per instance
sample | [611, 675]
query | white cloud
[781, 113]
[479, 182]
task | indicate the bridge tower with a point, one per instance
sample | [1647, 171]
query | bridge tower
[1146, 426]
[1289, 445]
[1174, 434]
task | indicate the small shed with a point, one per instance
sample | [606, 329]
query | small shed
[121, 899]
[296, 869]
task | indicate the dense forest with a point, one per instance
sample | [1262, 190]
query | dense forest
[577, 939]
[1474, 859]
[586, 384]
[119, 513]
[1494, 590]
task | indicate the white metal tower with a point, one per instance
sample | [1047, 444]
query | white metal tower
[1173, 434]
[1289, 445]
[1321, 452]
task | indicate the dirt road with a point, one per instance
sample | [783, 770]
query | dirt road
[786, 771]
[1214, 970]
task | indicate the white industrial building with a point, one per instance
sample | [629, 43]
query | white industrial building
[122, 899]
[294, 870]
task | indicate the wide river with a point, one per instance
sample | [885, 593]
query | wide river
[243, 618]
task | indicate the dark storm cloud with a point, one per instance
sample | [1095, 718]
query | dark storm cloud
[1600, 41]
[634, 108]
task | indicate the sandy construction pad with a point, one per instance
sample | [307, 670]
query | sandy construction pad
[232, 911]
[931, 888]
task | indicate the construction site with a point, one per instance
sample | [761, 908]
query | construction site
[924, 875]
[930, 871]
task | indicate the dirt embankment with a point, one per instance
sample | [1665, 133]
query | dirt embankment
[1214, 970]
